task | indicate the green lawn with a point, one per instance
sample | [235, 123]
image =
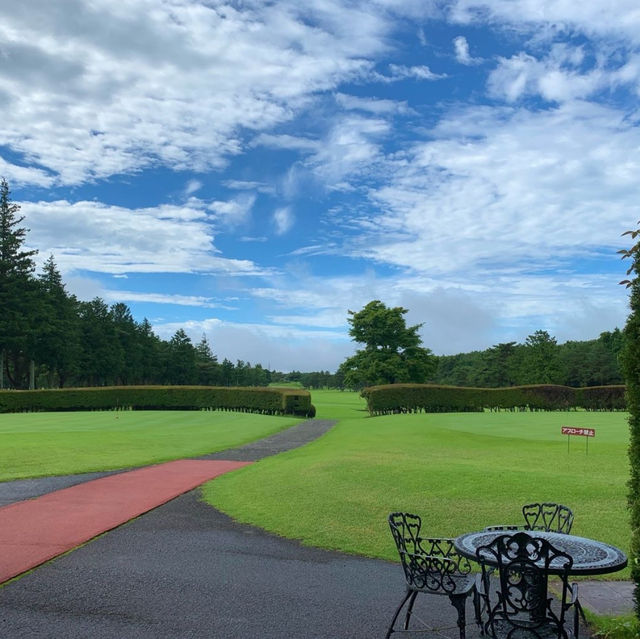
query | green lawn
[460, 472]
[40, 444]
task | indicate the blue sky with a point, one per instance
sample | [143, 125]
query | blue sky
[253, 170]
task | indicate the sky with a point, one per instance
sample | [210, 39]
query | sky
[252, 170]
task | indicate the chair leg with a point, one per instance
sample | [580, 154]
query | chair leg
[459, 604]
[579, 612]
[398, 609]
[476, 609]
[410, 609]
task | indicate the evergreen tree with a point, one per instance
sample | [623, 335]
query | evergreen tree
[206, 363]
[101, 355]
[130, 364]
[152, 368]
[541, 363]
[57, 340]
[227, 373]
[18, 296]
[500, 364]
[182, 365]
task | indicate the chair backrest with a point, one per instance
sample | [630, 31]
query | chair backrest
[548, 516]
[430, 563]
[523, 607]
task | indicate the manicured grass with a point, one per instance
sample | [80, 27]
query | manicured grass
[460, 472]
[40, 444]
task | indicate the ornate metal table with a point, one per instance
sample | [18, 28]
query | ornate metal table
[590, 557]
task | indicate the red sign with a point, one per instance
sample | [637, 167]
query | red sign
[572, 430]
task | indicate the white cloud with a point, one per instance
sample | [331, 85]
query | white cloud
[249, 238]
[192, 187]
[289, 142]
[591, 18]
[558, 77]
[284, 219]
[351, 146]
[110, 239]
[15, 174]
[162, 298]
[249, 185]
[461, 48]
[510, 187]
[169, 83]
[372, 105]
[235, 211]
[399, 72]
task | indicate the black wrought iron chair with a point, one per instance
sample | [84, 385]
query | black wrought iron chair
[520, 607]
[542, 516]
[431, 566]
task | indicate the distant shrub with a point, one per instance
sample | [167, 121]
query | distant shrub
[602, 397]
[432, 398]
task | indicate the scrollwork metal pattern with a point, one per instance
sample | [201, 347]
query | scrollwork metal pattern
[431, 565]
[523, 605]
[548, 516]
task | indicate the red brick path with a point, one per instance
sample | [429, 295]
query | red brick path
[36, 530]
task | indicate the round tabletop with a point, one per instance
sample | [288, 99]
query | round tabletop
[590, 557]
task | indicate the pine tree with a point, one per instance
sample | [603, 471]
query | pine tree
[57, 334]
[206, 363]
[18, 296]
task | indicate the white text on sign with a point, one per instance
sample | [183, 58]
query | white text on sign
[572, 430]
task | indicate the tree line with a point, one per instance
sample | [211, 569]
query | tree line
[50, 339]
[539, 360]
[393, 353]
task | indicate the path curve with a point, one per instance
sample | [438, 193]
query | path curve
[293, 437]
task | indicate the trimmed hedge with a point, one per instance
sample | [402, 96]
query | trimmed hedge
[269, 401]
[431, 398]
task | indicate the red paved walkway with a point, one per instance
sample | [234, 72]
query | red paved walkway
[36, 530]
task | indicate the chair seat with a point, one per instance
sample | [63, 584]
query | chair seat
[505, 630]
[455, 584]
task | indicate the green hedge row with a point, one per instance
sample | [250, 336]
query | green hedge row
[268, 401]
[430, 398]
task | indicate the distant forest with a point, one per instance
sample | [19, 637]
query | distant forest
[540, 360]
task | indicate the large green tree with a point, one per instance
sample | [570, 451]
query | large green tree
[392, 350]
[630, 358]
